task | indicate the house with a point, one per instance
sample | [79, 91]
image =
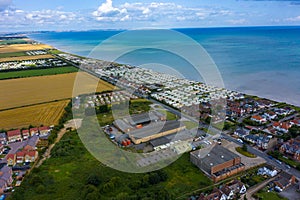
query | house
[11, 159]
[258, 119]
[281, 126]
[44, 130]
[251, 138]
[285, 180]
[268, 171]
[241, 132]
[270, 115]
[3, 138]
[31, 156]
[291, 147]
[216, 194]
[20, 157]
[237, 187]
[296, 122]
[25, 134]
[227, 191]
[34, 131]
[262, 142]
[14, 136]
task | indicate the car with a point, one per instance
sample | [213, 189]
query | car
[2, 197]
[279, 162]
[240, 141]
[271, 157]
[287, 166]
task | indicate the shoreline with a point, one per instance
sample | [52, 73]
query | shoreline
[247, 91]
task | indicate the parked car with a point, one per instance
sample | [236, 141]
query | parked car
[240, 141]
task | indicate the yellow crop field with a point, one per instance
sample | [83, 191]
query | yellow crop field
[20, 58]
[46, 114]
[29, 91]
[23, 47]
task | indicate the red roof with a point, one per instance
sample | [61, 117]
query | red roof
[25, 131]
[13, 133]
[44, 128]
[20, 154]
[31, 153]
[257, 117]
[34, 129]
[276, 124]
[285, 125]
[10, 156]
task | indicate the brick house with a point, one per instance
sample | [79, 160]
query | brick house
[11, 159]
[14, 136]
[258, 119]
[291, 147]
[34, 131]
[31, 156]
[285, 180]
[25, 134]
[20, 157]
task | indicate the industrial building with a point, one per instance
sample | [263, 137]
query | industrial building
[219, 163]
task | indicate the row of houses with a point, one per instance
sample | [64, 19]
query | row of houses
[20, 135]
[225, 192]
[20, 157]
[291, 148]
[261, 141]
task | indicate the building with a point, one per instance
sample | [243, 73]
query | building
[14, 136]
[11, 159]
[25, 134]
[268, 171]
[3, 138]
[258, 119]
[216, 194]
[34, 131]
[218, 164]
[237, 187]
[44, 131]
[285, 180]
[154, 131]
[20, 157]
[292, 148]
[30, 156]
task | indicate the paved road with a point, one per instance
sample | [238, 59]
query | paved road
[264, 155]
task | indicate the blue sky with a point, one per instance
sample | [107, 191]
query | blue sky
[27, 15]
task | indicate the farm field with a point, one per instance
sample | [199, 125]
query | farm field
[46, 114]
[37, 72]
[20, 58]
[23, 47]
[28, 91]
[13, 54]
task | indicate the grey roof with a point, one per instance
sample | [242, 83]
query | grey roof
[122, 125]
[155, 128]
[159, 141]
[216, 156]
[142, 118]
[3, 135]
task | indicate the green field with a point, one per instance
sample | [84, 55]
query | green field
[13, 41]
[269, 196]
[72, 173]
[37, 72]
[13, 54]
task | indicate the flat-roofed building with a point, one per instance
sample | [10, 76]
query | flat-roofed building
[219, 163]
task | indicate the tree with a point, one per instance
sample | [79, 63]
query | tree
[245, 148]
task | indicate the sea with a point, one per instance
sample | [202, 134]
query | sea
[261, 61]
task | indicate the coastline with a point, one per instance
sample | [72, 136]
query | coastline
[261, 84]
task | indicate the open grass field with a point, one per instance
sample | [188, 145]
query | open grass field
[73, 173]
[46, 114]
[14, 54]
[20, 58]
[28, 91]
[37, 72]
[23, 47]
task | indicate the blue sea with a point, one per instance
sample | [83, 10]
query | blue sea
[262, 61]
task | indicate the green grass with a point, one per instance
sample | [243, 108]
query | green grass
[14, 54]
[269, 196]
[169, 115]
[245, 153]
[13, 41]
[72, 173]
[55, 51]
[37, 72]
[190, 125]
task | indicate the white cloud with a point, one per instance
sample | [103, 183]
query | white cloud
[106, 12]
[294, 19]
[4, 4]
[237, 21]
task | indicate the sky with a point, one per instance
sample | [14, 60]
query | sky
[60, 15]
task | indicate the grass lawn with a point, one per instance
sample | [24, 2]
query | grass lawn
[14, 54]
[37, 72]
[245, 153]
[269, 196]
[72, 173]
[190, 125]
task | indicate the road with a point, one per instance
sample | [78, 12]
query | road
[265, 156]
